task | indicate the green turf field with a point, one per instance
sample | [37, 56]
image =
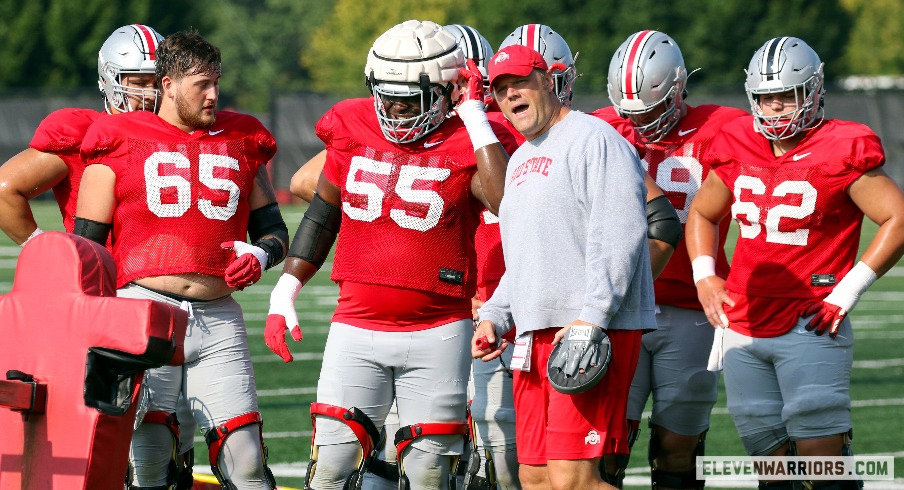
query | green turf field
[285, 390]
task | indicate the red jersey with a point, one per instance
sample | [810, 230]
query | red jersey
[799, 229]
[677, 164]
[178, 195]
[408, 215]
[61, 133]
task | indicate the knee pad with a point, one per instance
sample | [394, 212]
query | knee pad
[185, 480]
[369, 438]
[621, 460]
[217, 436]
[171, 422]
[673, 479]
[409, 433]
[846, 450]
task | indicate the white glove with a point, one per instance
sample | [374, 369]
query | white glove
[282, 316]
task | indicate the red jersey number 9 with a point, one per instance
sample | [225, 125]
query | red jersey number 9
[679, 176]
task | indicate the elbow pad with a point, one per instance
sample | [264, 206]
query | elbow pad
[317, 232]
[268, 222]
[92, 230]
[662, 221]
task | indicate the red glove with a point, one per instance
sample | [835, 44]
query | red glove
[282, 316]
[247, 266]
[473, 89]
[826, 317]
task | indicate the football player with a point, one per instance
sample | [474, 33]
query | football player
[125, 66]
[181, 191]
[406, 184]
[798, 186]
[489, 259]
[647, 87]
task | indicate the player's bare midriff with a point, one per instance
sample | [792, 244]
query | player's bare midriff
[202, 287]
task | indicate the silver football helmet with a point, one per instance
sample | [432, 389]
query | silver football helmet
[780, 65]
[131, 49]
[475, 47]
[418, 61]
[554, 49]
[648, 70]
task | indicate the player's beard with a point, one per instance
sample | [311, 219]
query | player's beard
[194, 118]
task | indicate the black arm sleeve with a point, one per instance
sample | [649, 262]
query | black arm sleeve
[268, 222]
[662, 221]
[317, 232]
[92, 230]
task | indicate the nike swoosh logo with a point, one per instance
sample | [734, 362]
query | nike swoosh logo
[449, 337]
[431, 144]
[214, 133]
[682, 132]
[797, 157]
[701, 323]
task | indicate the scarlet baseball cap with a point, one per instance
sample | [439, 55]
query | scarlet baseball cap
[515, 59]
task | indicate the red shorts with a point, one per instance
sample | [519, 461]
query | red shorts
[582, 426]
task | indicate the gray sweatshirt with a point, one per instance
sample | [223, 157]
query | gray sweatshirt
[574, 233]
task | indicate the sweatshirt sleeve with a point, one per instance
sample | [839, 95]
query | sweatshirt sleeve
[497, 309]
[614, 194]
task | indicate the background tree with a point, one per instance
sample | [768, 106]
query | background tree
[274, 46]
[875, 46]
[262, 44]
[337, 51]
[54, 43]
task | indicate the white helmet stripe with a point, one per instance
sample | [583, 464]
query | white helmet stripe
[630, 82]
[531, 37]
[475, 44]
[772, 55]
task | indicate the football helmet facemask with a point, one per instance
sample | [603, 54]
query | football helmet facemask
[781, 65]
[554, 49]
[130, 50]
[415, 65]
[648, 70]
